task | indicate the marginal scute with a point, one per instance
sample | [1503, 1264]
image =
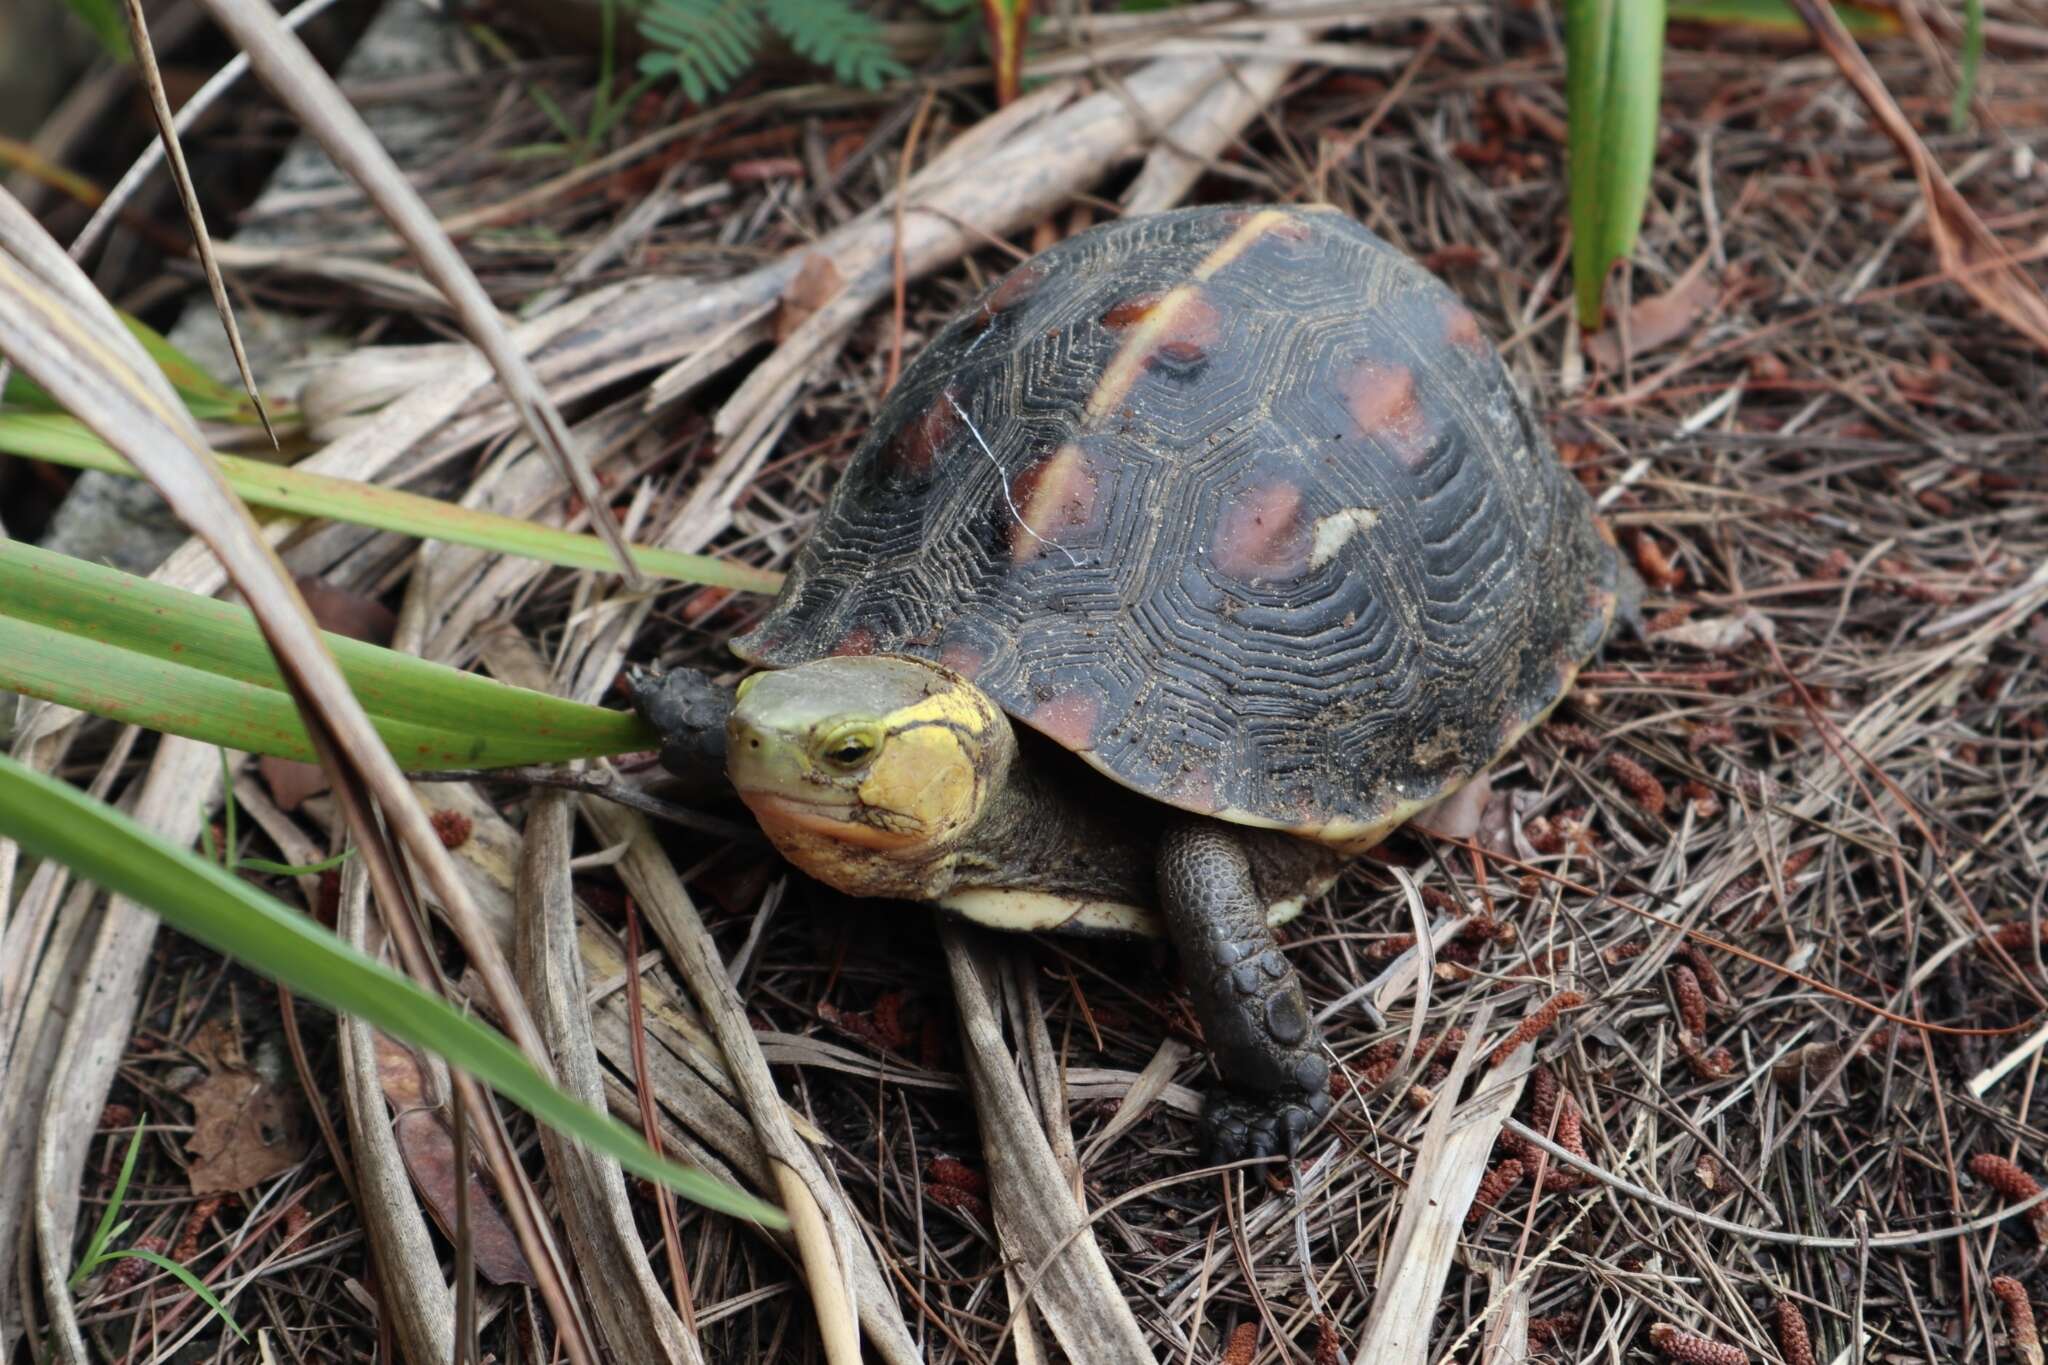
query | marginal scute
[963, 659]
[859, 640]
[1069, 718]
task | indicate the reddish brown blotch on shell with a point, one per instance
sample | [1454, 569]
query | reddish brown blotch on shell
[858, 641]
[1259, 534]
[1052, 497]
[1384, 405]
[1069, 718]
[915, 448]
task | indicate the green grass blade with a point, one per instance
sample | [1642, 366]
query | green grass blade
[1778, 16]
[185, 1277]
[63, 440]
[108, 1229]
[52, 819]
[1614, 52]
[1970, 58]
[107, 642]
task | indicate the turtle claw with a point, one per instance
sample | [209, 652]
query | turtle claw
[1238, 1127]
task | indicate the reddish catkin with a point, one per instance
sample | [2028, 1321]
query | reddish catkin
[2019, 1319]
[1536, 1024]
[1639, 782]
[1689, 1348]
[1703, 967]
[127, 1272]
[1244, 1341]
[1542, 1095]
[1493, 1186]
[1390, 947]
[1571, 1136]
[1329, 1342]
[1792, 1338]
[194, 1234]
[953, 1197]
[1669, 619]
[1623, 952]
[1706, 802]
[451, 827]
[1692, 1001]
[1569, 736]
[1554, 1330]
[2013, 1183]
[1707, 1066]
[1713, 732]
[2017, 938]
[944, 1170]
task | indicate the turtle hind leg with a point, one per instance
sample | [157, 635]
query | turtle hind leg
[1246, 993]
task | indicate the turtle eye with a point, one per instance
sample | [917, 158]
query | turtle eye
[848, 746]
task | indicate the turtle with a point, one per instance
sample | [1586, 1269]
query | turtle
[1195, 556]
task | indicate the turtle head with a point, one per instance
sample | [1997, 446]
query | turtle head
[866, 771]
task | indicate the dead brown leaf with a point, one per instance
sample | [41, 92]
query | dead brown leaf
[1660, 319]
[429, 1151]
[1718, 634]
[1457, 816]
[817, 282]
[244, 1130]
[345, 613]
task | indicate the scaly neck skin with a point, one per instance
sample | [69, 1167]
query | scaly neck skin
[1056, 825]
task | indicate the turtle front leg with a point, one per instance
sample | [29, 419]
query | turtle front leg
[1247, 995]
[689, 710]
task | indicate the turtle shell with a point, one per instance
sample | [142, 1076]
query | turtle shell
[1238, 504]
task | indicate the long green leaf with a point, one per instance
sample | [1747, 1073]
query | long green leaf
[64, 440]
[116, 645]
[1613, 71]
[55, 820]
[204, 396]
[1778, 16]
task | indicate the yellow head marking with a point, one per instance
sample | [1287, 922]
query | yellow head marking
[865, 770]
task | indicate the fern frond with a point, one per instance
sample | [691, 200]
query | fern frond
[833, 33]
[705, 44]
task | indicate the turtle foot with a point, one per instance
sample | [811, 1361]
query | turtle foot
[1239, 1126]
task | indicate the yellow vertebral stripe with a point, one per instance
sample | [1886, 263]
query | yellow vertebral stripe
[1130, 360]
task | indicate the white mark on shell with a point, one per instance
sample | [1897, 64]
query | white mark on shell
[1332, 531]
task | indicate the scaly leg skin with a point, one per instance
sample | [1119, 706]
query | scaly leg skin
[689, 710]
[1247, 995]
